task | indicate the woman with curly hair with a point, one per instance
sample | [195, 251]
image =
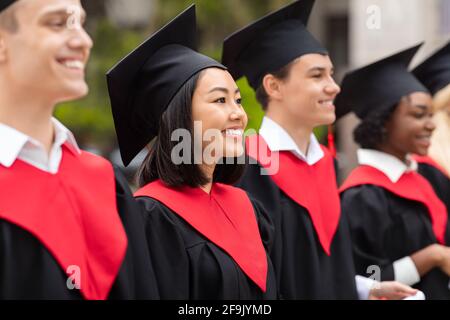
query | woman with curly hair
[397, 220]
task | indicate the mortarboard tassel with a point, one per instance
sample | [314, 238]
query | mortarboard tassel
[331, 145]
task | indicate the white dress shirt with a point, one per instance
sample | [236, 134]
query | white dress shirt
[405, 271]
[17, 145]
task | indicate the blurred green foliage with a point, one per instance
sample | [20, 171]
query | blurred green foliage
[90, 118]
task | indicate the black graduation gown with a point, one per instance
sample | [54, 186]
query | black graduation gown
[29, 271]
[385, 228]
[189, 266]
[303, 269]
[441, 185]
[136, 279]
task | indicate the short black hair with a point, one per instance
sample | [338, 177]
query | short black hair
[158, 163]
[281, 74]
[371, 132]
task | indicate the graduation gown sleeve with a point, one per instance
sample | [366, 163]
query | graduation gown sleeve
[265, 225]
[262, 188]
[167, 249]
[28, 270]
[439, 181]
[367, 212]
[441, 185]
[136, 279]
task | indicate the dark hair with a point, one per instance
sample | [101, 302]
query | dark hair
[281, 74]
[371, 132]
[158, 163]
[8, 19]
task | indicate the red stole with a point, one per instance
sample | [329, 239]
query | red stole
[225, 216]
[73, 213]
[410, 186]
[313, 187]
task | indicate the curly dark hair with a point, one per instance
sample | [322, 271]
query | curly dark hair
[371, 132]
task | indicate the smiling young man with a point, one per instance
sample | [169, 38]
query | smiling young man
[67, 227]
[293, 78]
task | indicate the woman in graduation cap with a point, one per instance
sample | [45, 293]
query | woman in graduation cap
[207, 238]
[397, 220]
[290, 172]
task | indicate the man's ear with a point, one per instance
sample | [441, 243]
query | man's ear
[272, 86]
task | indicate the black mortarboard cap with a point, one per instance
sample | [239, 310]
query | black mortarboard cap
[142, 84]
[378, 86]
[434, 72]
[270, 43]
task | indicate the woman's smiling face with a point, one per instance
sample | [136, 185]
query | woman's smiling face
[216, 105]
[410, 127]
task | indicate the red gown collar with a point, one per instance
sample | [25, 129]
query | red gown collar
[72, 213]
[411, 186]
[225, 216]
[313, 187]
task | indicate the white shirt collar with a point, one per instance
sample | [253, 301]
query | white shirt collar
[278, 139]
[12, 141]
[17, 145]
[391, 166]
[65, 135]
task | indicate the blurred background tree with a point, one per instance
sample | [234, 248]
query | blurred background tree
[90, 118]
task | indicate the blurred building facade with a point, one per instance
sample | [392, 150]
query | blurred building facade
[130, 13]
